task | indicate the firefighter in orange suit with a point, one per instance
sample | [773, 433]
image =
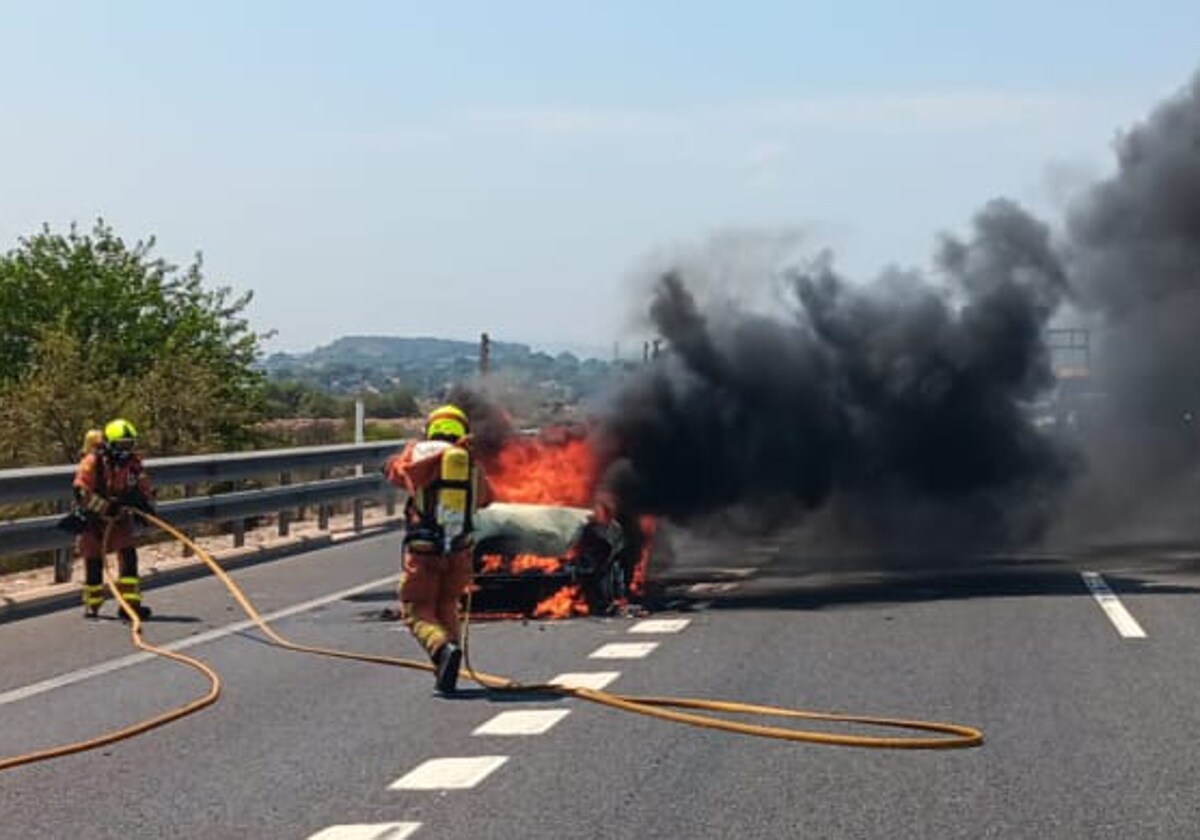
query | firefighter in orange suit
[109, 479]
[445, 487]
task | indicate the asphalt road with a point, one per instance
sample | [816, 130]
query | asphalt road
[1090, 733]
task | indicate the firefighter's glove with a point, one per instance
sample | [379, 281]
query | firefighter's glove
[137, 501]
[97, 505]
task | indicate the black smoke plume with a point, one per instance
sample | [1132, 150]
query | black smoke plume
[905, 409]
[490, 422]
[895, 397]
[1133, 248]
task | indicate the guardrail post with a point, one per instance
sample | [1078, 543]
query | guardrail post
[189, 490]
[358, 515]
[389, 500]
[239, 525]
[62, 556]
[323, 510]
[300, 512]
[285, 515]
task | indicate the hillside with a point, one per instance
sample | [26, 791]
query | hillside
[428, 366]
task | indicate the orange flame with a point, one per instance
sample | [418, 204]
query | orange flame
[531, 562]
[558, 467]
[545, 470]
[564, 603]
[637, 582]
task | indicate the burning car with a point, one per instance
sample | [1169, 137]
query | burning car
[551, 546]
[550, 561]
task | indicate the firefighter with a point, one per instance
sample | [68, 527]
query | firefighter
[110, 479]
[445, 487]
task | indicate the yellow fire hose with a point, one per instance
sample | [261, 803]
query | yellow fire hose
[948, 735]
[214, 688]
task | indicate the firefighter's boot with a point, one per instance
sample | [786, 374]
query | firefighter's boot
[93, 586]
[448, 660]
[130, 586]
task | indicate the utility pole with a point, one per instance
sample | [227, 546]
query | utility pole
[360, 423]
[485, 354]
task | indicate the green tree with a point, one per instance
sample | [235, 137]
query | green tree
[44, 412]
[91, 327]
[290, 399]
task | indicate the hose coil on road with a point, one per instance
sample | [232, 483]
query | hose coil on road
[946, 735]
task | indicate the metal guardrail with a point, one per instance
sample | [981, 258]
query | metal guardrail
[41, 484]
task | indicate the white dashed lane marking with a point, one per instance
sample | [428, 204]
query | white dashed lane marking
[449, 773]
[595, 680]
[375, 831]
[1125, 623]
[660, 625]
[623, 650]
[712, 588]
[524, 722]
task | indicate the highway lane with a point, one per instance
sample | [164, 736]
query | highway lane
[1084, 737]
[64, 642]
[1088, 732]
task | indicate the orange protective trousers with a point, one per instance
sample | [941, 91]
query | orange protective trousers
[430, 588]
[120, 537]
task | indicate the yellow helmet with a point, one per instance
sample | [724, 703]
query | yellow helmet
[120, 434]
[447, 421]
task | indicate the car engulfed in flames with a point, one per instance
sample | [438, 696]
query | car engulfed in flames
[551, 545]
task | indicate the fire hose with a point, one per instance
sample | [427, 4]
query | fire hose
[210, 697]
[948, 735]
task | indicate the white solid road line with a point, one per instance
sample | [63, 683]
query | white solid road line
[595, 680]
[363, 831]
[34, 689]
[660, 625]
[449, 773]
[1125, 623]
[522, 722]
[623, 650]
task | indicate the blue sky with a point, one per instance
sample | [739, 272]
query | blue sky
[396, 168]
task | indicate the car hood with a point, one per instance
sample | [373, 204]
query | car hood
[544, 530]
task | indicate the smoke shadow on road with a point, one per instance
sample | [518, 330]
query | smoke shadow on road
[782, 587]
